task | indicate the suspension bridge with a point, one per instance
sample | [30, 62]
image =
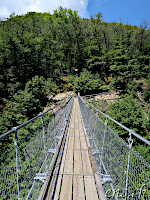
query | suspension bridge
[72, 155]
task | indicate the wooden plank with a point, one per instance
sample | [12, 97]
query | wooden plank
[79, 112]
[63, 162]
[76, 121]
[83, 143]
[80, 122]
[68, 169]
[71, 143]
[64, 156]
[57, 191]
[95, 171]
[99, 186]
[80, 127]
[72, 125]
[90, 188]
[53, 181]
[79, 118]
[76, 125]
[66, 142]
[76, 142]
[82, 164]
[51, 188]
[78, 188]
[86, 137]
[50, 171]
[72, 120]
[82, 134]
[96, 175]
[87, 170]
[77, 162]
[66, 190]
[71, 132]
[76, 132]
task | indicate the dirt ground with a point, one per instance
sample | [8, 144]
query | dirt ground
[61, 96]
[110, 98]
[58, 98]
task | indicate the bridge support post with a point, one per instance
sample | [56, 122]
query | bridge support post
[43, 131]
[105, 178]
[103, 143]
[130, 142]
[95, 126]
[17, 170]
[54, 128]
[64, 114]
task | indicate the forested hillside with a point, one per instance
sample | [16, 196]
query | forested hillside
[39, 53]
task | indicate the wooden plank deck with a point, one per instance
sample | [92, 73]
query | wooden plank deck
[75, 178]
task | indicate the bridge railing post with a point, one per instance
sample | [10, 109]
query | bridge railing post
[130, 142]
[105, 124]
[17, 169]
[43, 134]
[94, 131]
[95, 121]
[54, 128]
[64, 112]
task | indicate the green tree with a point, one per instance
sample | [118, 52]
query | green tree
[87, 83]
[129, 113]
[146, 93]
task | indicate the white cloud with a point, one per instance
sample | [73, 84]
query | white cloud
[23, 6]
[4, 11]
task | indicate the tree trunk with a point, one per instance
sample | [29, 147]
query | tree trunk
[59, 55]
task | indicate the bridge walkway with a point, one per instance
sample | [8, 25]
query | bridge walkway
[75, 179]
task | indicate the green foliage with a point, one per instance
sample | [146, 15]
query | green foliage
[121, 76]
[38, 50]
[34, 45]
[37, 87]
[146, 93]
[87, 83]
[64, 84]
[50, 87]
[129, 113]
[26, 103]
[104, 88]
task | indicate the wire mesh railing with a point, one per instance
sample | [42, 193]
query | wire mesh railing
[24, 166]
[124, 173]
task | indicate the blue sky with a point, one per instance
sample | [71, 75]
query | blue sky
[130, 11]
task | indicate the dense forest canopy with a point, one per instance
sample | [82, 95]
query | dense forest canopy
[39, 53]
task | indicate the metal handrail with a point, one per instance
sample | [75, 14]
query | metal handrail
[121, 125]
[120, 167]
[30, 157]
[24, 124]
